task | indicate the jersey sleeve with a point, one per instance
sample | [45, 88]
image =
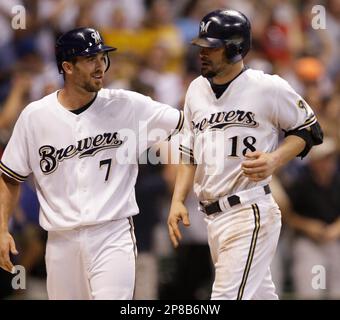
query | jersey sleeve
[155, 121]
[186, 146]
[14, 162]
[292, 111]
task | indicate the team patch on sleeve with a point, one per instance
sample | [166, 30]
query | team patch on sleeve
[301, 104]
[11, 173]
[179, 125]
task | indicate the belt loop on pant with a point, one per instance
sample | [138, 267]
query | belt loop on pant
[227, 202]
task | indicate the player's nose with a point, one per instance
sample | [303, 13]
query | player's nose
[100, 64]
[204, 52]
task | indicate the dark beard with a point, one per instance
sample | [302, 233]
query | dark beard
[90, 88]
[208, 74]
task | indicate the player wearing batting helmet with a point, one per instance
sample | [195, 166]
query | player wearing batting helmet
[233, 118]
[81, 144]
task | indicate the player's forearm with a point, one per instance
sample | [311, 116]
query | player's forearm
[9, 194]
[289, 149]
[184, 181]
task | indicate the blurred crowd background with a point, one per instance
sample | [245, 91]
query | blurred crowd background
[155, 58]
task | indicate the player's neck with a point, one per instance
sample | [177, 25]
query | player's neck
[230, 73]
[71, 98]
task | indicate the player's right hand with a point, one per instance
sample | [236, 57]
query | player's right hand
[178, 212]
[7, 245]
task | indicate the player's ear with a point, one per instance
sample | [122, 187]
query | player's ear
[67, 67]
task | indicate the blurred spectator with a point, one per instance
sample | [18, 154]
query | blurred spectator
[280, 265]
[60, 15]
[158, 27]
[309, 69]
[7, 50]
[316, 219]
[190, 17]
[316, 42]
[31, 241]
[106, 12]
[331, 118]
[167, 85]
[159, 23]
[311, 73]
[15, 101]
[333, 31]
[123, 72]
[149, 182]
[282, 35]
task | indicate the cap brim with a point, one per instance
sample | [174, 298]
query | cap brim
[207, 42]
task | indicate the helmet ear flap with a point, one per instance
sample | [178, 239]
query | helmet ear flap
[107, 61]
[233, 52]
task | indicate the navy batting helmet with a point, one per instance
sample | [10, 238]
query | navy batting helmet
[229, 28]
[79, 42]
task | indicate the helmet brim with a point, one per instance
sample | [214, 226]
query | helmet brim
[108, 48]
[207, 42]
[99, 48]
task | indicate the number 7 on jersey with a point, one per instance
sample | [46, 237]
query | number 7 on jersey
[108, 163]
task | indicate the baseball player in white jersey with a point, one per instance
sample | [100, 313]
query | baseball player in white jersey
[81, 144]
[233, 117]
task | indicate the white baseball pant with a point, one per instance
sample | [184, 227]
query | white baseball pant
[242, 242]
[92, 262]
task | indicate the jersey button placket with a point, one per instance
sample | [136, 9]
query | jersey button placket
[81, 167]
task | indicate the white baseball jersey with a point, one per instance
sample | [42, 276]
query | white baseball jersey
[85, 166]
[248, 116]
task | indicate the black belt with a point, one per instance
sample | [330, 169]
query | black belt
[233, 201]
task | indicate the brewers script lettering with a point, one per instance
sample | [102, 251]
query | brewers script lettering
[50, 156]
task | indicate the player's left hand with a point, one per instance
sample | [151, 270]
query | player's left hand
[259, 165]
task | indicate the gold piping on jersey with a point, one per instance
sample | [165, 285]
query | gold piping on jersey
[132, 228]
[311, 120]
[11, 173]
[251, 250]
[179, 125]
[185, 149]
[187, 153]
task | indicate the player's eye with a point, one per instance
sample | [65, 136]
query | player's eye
[91, 58]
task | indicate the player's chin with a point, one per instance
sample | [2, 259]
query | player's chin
[96, 84]
[207, 72]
